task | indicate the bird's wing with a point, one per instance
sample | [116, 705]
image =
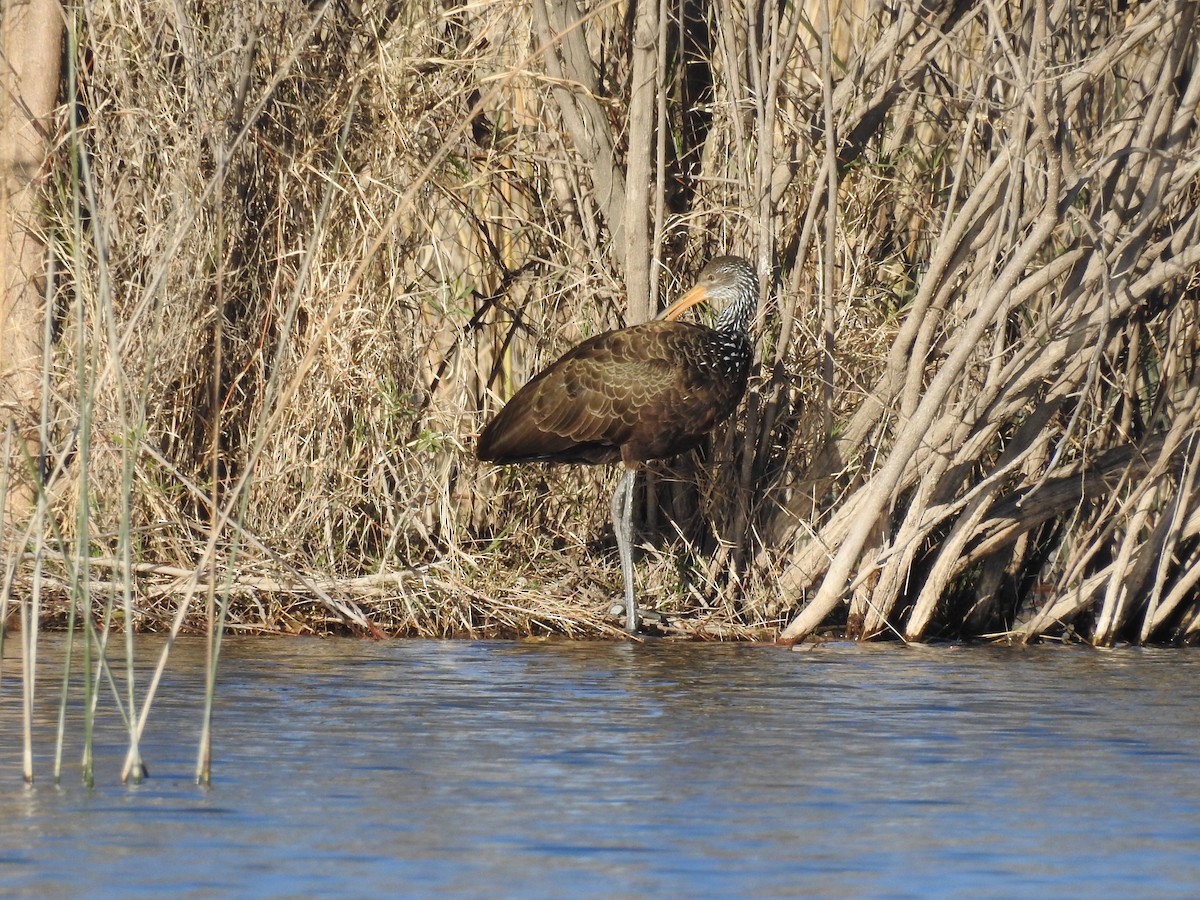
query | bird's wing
[587, 403]
[598, 391]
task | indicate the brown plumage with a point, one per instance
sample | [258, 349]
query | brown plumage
[632, 395]
[649, 391]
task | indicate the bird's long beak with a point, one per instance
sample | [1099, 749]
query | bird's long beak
[684, 303]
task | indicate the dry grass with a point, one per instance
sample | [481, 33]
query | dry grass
[304, 251]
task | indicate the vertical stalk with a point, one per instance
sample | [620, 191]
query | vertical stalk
[8, 560]
[80, 594]
[204, 760]
[831, 208]
[44, 438]
[643, 104]
[87, 366]
[28, 675]
[661, 128]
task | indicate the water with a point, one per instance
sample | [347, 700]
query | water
[409, 768]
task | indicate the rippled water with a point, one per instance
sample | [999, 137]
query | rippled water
[611, 770]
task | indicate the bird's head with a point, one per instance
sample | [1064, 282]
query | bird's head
[728, 282]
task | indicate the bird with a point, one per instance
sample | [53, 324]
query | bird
[644, 392]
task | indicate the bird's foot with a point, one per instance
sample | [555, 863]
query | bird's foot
[646, 618]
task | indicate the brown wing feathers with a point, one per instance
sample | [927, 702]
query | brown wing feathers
[590, 402]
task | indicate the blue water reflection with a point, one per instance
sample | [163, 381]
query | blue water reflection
[354, 768]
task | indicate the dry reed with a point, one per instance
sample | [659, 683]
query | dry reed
[303, 251]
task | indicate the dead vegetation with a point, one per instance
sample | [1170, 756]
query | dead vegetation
[302, 251]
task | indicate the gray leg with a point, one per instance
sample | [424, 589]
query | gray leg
[622, 513]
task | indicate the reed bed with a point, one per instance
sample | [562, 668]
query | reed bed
[300, 252]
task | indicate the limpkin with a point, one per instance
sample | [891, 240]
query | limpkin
[649, 391]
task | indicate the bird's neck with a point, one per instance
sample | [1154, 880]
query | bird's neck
[735, 318]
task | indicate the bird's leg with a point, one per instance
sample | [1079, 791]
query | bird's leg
[622, 513]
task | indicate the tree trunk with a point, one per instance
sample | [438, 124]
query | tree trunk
[29, 75]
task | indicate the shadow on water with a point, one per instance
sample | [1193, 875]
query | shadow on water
[558, 769]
